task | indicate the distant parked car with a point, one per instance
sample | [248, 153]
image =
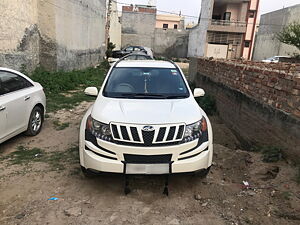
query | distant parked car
[22, 105]
[275, 59]
[131, 56]
[131, 49]
[137, 56]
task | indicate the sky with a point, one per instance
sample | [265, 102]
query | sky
[192, 7]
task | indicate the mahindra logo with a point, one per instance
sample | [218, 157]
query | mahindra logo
[148, 128]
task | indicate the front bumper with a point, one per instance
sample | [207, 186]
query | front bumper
[106, 156]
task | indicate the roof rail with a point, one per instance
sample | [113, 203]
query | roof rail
[121, 59]
[170, 61]
[124, 57]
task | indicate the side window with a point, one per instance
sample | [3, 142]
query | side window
[137, 49]
[10, 82]
[129, 49]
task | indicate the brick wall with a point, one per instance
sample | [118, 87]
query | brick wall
[138, 9]
[259, 102]
[276, 84]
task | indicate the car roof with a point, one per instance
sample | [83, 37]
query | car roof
[280, 56]
[16, 72]
[145, 63]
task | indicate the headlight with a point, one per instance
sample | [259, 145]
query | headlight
[98, 129]
[196, 130]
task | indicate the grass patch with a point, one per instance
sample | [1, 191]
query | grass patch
[56, 160]
[24, 155]
[271, 154]
[286, 195]
[57, 85]
[208, 104]
[59, 101]
[298, 175]
[60, 126]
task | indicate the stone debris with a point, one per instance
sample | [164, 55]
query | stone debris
[20, 216]
[204, 204]
[75, 211]
[197, 197]
[174, 222]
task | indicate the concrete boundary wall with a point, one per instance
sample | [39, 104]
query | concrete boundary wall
[255, 120]
[138, 28]
[171, 43]
[57, 35]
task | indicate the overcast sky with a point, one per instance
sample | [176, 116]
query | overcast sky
[192, 7]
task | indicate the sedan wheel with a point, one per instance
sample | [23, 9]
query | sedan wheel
[35, 121]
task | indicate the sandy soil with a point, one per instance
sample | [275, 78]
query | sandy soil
[273, 196]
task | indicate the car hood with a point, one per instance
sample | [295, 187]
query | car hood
[146, 111]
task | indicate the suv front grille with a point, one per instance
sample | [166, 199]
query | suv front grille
[148, 137]
[130, 134]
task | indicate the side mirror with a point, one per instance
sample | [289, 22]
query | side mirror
[198, 92]
[91, 91]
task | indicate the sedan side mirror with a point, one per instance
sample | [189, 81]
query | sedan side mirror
[91, 91]
[198, 92]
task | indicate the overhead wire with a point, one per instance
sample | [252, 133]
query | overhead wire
[127, 4]
[197, 17]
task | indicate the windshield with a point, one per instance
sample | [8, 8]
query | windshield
[145, 83]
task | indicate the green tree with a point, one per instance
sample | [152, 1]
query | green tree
[290, 35]
[110, 49]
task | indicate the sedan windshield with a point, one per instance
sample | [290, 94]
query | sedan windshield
[153, 83]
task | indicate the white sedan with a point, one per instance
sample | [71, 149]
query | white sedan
[22, 105]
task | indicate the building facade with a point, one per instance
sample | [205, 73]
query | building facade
[138, 25]
[169, 21]
[139, 28]
[266, 44]
[226, 29]
[115, 26]
[57, 36]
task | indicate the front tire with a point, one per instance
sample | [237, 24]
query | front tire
[87, 173]
[36, 120]
[203, 173]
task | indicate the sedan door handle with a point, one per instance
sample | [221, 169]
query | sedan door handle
[27, 98]
[2, 108]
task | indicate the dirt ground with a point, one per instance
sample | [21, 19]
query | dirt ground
[26, 185]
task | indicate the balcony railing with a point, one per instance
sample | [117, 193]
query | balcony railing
[228, 23]
[228, 26]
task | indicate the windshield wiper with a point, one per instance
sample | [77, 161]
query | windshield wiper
[176, 96]
[144, 95]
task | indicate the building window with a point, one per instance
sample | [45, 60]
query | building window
[165, 26]
[227, 16]
[251, 14]
[175, 26]
[247, 44]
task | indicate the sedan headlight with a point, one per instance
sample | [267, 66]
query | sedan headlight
[196, 130]
[98, 129]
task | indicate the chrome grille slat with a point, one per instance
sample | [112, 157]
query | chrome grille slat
[166, 134]
[120, 133]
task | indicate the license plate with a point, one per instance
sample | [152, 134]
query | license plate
[147, 168]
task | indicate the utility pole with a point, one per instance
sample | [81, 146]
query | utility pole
[107, 26]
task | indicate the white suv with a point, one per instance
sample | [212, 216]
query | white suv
[145, 121]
